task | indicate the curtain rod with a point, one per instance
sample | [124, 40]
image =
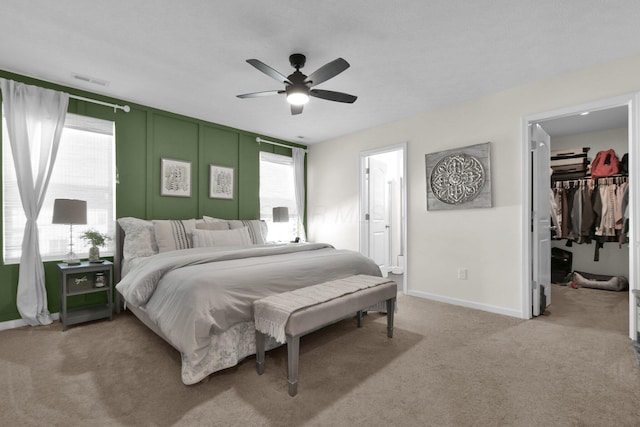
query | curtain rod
[259, 140]
[124, 108]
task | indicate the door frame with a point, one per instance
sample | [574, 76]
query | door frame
[632, 101]
[363, 228]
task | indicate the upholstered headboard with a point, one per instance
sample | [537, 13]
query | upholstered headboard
[118, 256]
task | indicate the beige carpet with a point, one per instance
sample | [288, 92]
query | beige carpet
[445, 366]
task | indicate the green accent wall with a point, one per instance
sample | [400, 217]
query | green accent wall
[145, 136]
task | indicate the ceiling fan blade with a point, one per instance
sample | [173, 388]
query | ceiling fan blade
[268, 70]
[296, 109]
[327, 71]
[333, 96]
[259, 94]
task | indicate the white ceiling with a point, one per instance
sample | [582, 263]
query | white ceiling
[406, 56]
[610, 118]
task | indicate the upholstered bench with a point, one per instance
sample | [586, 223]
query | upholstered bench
[290, 315]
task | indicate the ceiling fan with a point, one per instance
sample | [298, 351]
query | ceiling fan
[298, 86]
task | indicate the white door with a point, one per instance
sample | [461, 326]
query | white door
[540, 217]
[379, 249]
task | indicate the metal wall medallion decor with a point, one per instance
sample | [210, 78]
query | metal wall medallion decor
[459, 178]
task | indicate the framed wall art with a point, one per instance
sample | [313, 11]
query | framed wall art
[220, 182]
[176, 178]
[459, 178]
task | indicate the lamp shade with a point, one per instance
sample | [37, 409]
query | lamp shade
[281, 214]
[69, 211]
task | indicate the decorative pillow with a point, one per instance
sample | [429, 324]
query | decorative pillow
[173, 235]
[609, 283]
[208, 238]
[139, 238]
[218, 225]
[212, 219]
[257, 229]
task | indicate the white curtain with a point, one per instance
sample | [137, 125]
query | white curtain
[298, 182]
[35, 119]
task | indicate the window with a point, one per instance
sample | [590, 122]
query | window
[277, 190]
[84, 170]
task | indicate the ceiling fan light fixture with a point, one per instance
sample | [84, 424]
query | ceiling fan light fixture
[298, 98]
[297, 94]
[297, 86]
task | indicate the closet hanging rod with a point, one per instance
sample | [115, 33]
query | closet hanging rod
[614, 178]
[115, 107]
[260, 140]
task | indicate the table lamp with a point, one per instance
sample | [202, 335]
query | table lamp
[70, 211]
[281, 214]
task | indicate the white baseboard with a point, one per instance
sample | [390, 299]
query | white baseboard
[18, 323]
[468, 304]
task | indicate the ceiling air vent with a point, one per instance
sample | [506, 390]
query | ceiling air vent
[91, 80]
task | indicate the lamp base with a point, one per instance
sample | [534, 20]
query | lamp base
[72, 259]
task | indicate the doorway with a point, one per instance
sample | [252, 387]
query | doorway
[535, 206]
[383, 222]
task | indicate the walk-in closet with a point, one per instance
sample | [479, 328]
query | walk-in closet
[589, 207]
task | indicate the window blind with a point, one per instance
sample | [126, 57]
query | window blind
[84, 170]
[277, 189]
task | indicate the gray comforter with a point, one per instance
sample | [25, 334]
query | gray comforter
[193, 295]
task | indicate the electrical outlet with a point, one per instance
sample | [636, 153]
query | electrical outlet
[462, 273]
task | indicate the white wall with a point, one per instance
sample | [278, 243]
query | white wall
[487, 242]
[614, 260]
[617, 139]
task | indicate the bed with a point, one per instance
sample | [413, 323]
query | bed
[198, 294]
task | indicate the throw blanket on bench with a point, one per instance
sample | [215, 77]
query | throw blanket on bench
[272, 313]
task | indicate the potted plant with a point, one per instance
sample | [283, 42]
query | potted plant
[96, 239]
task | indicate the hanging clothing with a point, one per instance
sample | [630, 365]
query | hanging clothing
[607, 225]
[576, 215]
[569, 195]
[556, 215]
[625, 217]
[622, 188]
[585, 211]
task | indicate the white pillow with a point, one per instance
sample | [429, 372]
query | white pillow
[208, 238]
[212, 219]
[139, 238]
[257, 229]
[173, 235]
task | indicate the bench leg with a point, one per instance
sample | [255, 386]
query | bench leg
[293, 353]
[260, 352]
[391, 305]
[359, 318]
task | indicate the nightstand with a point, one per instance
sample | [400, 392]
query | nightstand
[86, 278]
